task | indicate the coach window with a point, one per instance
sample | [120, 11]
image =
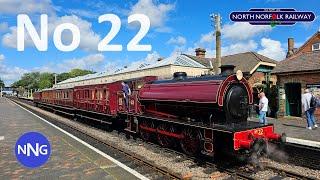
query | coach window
[101, 94]
[104, 93]
[92, 94]
[107, 95]
[87, 94]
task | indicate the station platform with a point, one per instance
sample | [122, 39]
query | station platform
[296, 131]
[70, 158]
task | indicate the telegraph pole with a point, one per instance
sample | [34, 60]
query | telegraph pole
[55, 79]
[217, 24]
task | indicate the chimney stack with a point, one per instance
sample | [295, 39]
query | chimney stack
[160, 59]
[290, 47]
[200, 52]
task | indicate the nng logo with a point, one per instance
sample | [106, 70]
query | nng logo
[32, 149]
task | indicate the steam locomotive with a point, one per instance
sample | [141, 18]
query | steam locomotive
[203, 115]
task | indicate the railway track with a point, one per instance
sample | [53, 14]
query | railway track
[133, 161]
[148, 168]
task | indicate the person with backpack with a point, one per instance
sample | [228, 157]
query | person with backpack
[309, 103]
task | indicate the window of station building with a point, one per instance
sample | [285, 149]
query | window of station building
[316, 46]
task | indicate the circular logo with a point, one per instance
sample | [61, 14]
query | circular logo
[32, 149]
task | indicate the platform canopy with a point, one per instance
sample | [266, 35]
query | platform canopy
[176, 60]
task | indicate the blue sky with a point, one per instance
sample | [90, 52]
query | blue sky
[177, 26]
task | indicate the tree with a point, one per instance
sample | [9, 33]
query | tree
[63, 76]
[37, 80]
[46, 80]
[1, 83]
[79, 72]
[28, 81]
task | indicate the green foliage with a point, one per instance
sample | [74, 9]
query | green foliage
[46, 80]
[79, 72]
[28, 81]
[37, 80]
[62, 77]
[1, 83]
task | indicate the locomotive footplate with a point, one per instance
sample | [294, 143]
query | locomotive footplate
[231, 127]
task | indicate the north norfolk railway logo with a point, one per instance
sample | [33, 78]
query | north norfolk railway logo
[272, 17]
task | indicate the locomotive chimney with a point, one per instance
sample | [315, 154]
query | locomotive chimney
[290, 47]
[227, 70]
[200, 52]
[179, 75]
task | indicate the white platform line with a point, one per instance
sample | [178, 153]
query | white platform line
[303, 142]
[123, 166]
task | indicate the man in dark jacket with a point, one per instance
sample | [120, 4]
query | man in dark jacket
[126, 93]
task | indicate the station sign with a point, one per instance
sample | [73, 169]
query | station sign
[267, 16]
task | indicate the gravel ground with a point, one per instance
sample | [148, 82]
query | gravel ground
[174, 162]
[292, 168]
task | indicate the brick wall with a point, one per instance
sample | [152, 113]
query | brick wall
[303, 79]
[258, 77]
[308, 47]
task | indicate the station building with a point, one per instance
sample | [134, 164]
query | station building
[163, 68]
[300, 70]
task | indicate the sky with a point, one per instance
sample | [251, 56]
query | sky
[177, 26]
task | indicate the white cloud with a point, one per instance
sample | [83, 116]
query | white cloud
[272, 49]
[157, 13]
[13, 7]
[83, 13]
[93, 62]
[4, 27]
[179, 41]
[207, 38]
[152, 57]
[10, 74]
[2, 57]
[10, 39]
[243, 30]
[239, 47]
[88, 41]
[234, 48]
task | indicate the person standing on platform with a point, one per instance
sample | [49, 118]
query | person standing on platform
[309, 107]
[263, 108]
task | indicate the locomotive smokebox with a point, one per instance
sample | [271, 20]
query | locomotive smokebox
[227, 70]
